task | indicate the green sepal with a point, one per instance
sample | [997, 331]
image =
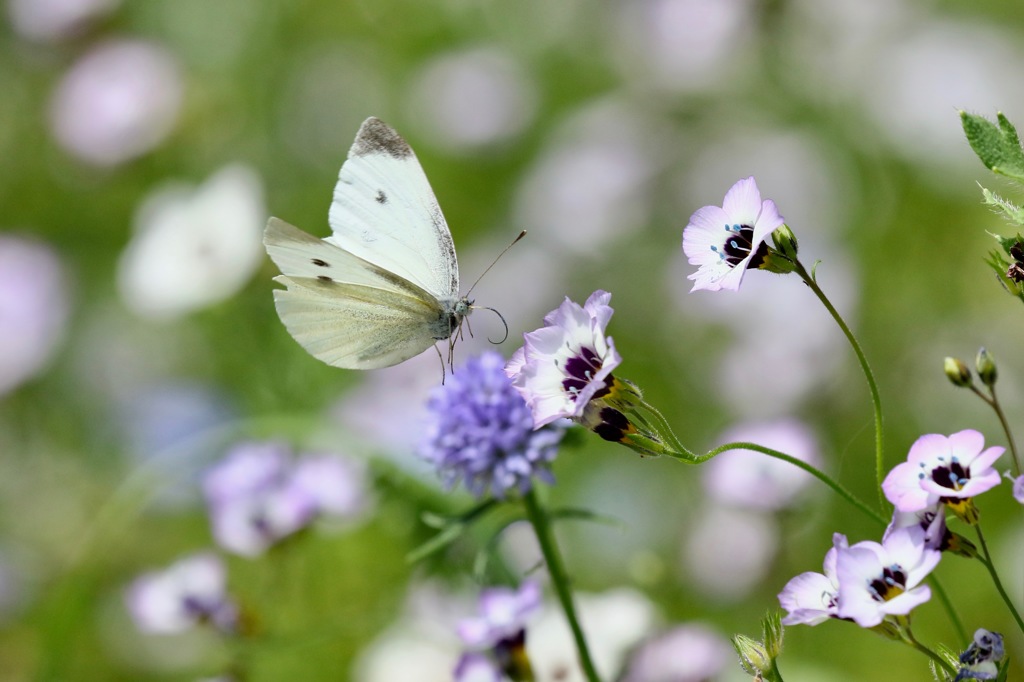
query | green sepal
[1013, 212]
[998, 146]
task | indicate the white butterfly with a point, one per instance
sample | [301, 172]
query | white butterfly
[385, 285]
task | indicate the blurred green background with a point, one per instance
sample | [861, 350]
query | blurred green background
[141, 339]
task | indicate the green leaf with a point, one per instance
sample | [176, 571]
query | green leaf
[998, 147]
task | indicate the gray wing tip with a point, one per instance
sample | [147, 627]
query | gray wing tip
[377, 137]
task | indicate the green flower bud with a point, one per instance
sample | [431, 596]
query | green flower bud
[753, 657]
[985, 364]
[956, 370]
[785, 242]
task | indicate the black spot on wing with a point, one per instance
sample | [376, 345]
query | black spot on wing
[377, 137]
[324, 278]
[381, 197]
[321, 263]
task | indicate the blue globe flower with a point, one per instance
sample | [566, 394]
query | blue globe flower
[481, 432]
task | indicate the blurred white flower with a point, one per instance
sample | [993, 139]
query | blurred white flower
[187, 593]
[473, 98]
[686, 653]
[914, 86]
[592, 182]
[48, 20]
[422, 644]
[117, 102]
[744, 478]
[727, 551]
[614, 622]
[194, 248]
[33, 308]
[684, 44]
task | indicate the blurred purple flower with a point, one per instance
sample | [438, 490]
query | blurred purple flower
[257, 495]
[725, 241]
[189, 592]
[48, 20]
[877, 581]
[481, 431]
[476, 667]
[744, 478]
[117, 102]
[33, 308]
[686, 653]
[568, 363]
[941, 468]
[812, 598]
[503, 615]
[473, 98]
[194, 247]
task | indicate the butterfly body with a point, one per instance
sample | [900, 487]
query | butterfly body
[384, 286]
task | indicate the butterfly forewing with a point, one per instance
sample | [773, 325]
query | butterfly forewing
[385, 212]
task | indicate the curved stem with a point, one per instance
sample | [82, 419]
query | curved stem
[691, 458]
[876, 401]
[909, 638]
[993, 402]
[986, 559]
[559, 578]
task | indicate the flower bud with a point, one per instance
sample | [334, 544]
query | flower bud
[985, 364]
[785, 242]
[753, 657]
[956, 370]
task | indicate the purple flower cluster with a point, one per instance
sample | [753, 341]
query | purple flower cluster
[481, 432]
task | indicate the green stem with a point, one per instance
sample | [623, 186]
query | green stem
[993, 402]
[876, 401]
[559, 578]
[986, 559]
[909, 638]
[691, 458]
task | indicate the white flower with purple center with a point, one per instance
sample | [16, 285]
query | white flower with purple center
[877, 581]
[931, 520]
[568, 363]
[258, 495]
[481, 432]
[981, 659]
[726, 241]
[187, 593]
[812, 598]
[942, 469]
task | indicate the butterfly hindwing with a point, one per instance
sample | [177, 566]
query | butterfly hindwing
[355, 326]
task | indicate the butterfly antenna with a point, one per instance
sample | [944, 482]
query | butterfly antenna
[513, 243]
[500, 317]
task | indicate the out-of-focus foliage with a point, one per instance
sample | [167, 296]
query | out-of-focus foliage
[144, 142]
